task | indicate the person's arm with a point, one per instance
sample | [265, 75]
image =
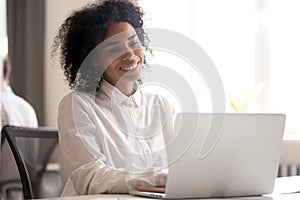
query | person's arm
[79, 141]
[89, 173]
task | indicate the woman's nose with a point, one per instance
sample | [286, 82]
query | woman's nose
[128, 56]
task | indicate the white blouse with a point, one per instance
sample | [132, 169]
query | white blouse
[114, 143]
[16, 111]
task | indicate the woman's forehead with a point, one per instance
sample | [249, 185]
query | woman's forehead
[117, 28]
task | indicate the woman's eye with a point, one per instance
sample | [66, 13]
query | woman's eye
[113, 50]
[134, 43]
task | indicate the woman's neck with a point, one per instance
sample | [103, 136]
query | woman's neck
[127, 88]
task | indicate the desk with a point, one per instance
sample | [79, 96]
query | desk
[282, 191]
[121, 197]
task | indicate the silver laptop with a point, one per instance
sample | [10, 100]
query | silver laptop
[223, 155]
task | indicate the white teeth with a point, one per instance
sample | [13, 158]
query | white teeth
[132, 66]
[128, 68]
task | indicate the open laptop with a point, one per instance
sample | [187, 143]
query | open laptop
[222, 155]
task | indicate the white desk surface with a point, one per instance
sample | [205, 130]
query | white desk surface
[285, 189]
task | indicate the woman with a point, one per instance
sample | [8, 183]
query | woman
[111, 133]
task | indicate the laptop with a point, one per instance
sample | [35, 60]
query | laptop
[222, 155]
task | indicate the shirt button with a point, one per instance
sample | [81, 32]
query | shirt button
[130, 105]
[148, 151]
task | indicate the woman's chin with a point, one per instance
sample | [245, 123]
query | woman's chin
[131, 75]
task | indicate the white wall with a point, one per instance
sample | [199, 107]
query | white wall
[3, 40]
[55, 86]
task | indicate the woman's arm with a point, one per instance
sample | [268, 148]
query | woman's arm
[89, 172]
[80, 141]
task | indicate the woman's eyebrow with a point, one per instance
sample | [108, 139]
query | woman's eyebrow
[111, 44]
[117, 42]
[132, 37]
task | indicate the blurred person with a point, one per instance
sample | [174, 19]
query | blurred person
[15, 111]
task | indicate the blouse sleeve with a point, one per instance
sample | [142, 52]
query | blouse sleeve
[90, 173]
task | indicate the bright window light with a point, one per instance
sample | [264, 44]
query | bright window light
[254, 44]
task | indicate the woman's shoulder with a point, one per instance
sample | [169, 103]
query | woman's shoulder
[168, 102]
[76, 97]
[155, 98]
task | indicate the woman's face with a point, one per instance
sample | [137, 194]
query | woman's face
[123, 54]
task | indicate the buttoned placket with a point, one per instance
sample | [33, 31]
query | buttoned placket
[143, 144]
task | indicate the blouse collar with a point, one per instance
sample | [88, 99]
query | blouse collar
[116, 96]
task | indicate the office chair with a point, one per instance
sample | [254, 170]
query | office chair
[31, 148]
[10, 182]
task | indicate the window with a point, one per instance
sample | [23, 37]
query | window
[284, 20]
[255, 45]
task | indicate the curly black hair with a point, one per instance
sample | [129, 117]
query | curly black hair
[79, 33]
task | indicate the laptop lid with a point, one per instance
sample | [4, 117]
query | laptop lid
[222, 155]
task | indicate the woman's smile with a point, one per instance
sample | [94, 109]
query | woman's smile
[134, 64]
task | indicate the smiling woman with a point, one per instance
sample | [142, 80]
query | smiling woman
[89, 28]
[126, 69]
[112, 134]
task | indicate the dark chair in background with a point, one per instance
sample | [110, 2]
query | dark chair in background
[10, 182]
[32, 149]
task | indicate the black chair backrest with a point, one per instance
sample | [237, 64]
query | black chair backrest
[32, 148]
